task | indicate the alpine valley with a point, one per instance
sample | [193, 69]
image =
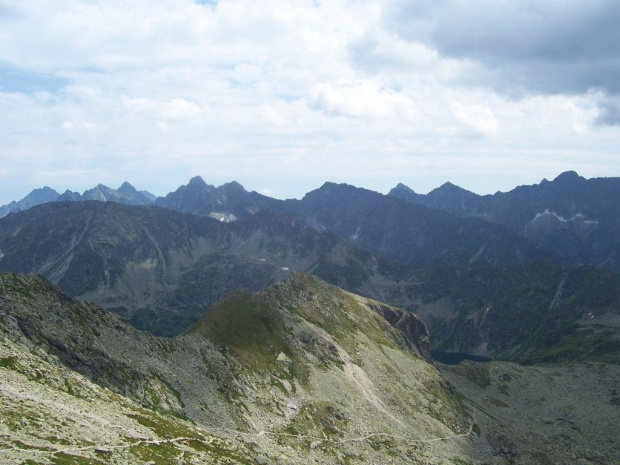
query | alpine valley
[217, 325]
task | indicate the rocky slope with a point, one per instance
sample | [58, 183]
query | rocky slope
[544, 414]
[300, 372]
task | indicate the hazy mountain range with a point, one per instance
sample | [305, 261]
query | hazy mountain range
[570, 219]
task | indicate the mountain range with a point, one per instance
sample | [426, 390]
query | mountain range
[570, 220]
[162, 270]
[574, 217]
[126, 194]
[282, 331]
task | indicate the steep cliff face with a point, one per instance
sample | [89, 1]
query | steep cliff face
[412, 329]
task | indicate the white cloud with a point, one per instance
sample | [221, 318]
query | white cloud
[179, 109]
[362, 99]
[83, 126]
[479, 117]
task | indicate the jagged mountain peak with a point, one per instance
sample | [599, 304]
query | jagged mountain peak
[335, 185]
[227, 202]
[403, 192]
[568, 178]
[329, 188]
[402, 187]
[232, 186]
[197, 181]
[451, 188]
[126, 187]
[567, 175]
[45, 189]
[35, 197]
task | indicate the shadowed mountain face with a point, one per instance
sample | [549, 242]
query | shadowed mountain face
[379, 223]
[132, 259]
[162, 269]
[529, 313]
[575, 217]
[570, 220]
[299, 363]
[410, 233]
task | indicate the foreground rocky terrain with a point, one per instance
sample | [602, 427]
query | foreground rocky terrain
[549, 414]
[300, 372]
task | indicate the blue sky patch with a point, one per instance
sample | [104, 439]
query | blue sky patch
[13, 80]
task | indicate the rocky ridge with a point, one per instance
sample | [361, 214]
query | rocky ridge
[301, 371]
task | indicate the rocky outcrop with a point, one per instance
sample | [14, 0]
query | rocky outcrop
[414, 332]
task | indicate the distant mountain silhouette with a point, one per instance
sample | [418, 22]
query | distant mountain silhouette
[126, 194]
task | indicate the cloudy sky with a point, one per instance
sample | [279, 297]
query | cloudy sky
[282, 95]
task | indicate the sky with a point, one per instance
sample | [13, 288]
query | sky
[283, 95]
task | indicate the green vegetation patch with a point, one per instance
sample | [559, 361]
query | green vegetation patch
[163, 427]
[9, 363]
[318, 420]
[251, 327]
[62, 458]
[163, 453]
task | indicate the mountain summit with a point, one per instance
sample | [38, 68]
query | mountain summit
[36, 197]
[227, 202]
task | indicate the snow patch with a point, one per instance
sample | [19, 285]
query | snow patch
[149, 264]
[577, 217]
[356, 235]
[284, 268]
[1, 255]
[547, 212]
[223, 217]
